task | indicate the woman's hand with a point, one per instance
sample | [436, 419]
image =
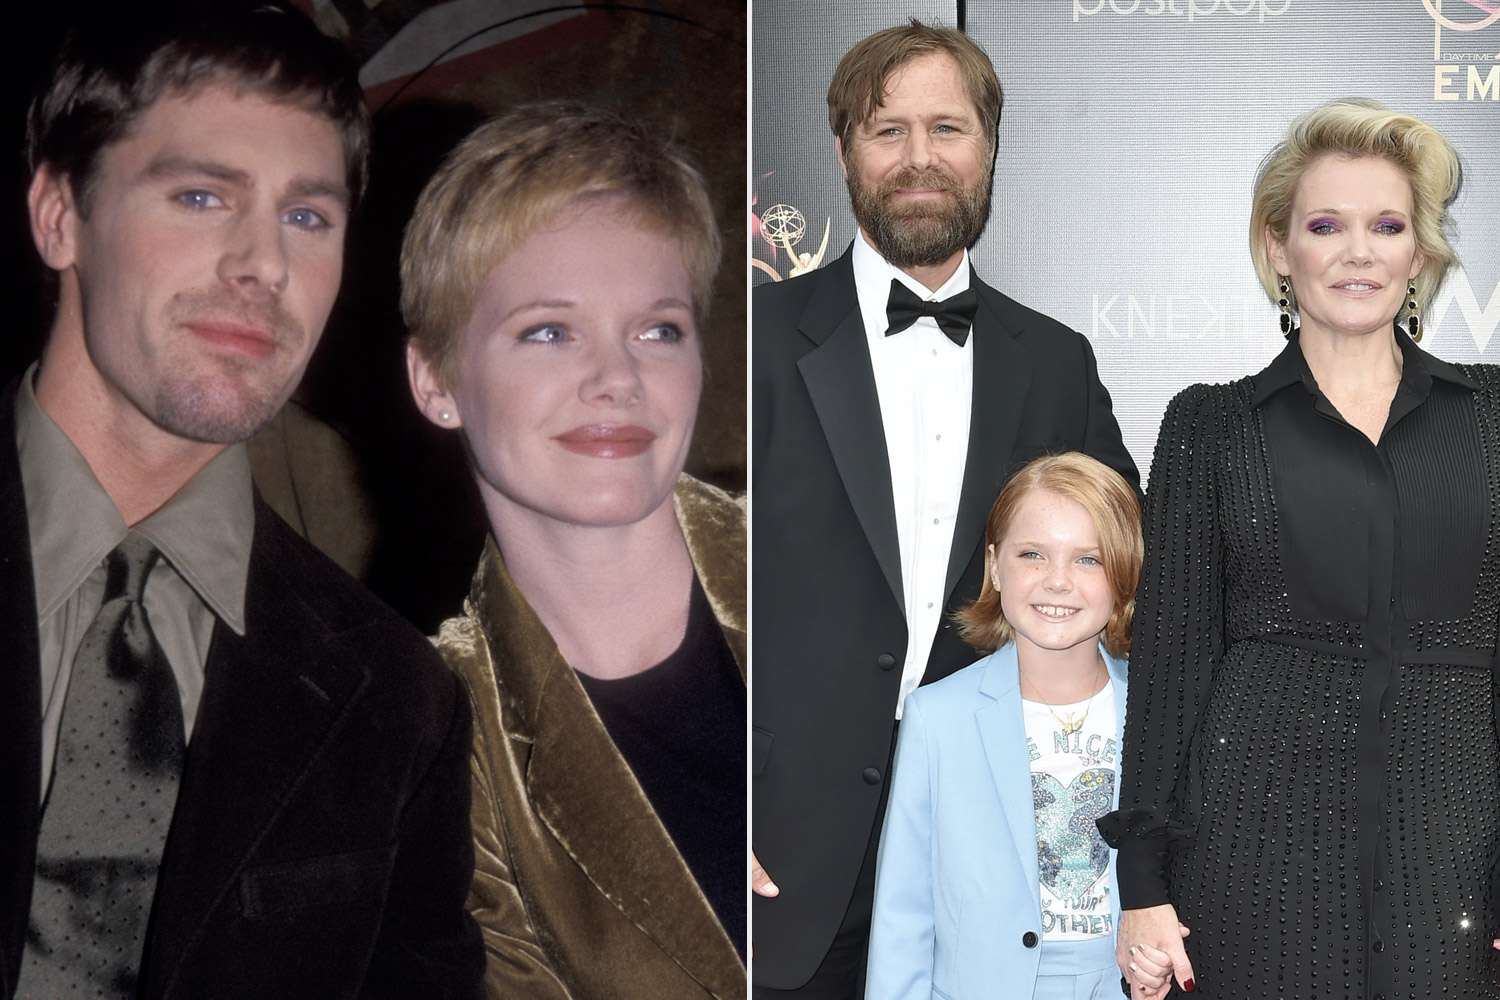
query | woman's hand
[1150, 953]
[760, 882]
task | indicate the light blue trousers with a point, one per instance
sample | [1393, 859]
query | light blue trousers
[1101, 985]
[1078, 970]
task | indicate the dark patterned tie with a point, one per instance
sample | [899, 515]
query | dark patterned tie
[114, 785]
[954, 315]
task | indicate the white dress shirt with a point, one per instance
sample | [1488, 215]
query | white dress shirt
[924, 382]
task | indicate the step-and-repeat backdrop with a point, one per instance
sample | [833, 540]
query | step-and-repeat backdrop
[1129, 142]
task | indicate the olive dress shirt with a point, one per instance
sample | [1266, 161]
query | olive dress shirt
[203, 533]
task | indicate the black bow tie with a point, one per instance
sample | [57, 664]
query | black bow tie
[954, 315]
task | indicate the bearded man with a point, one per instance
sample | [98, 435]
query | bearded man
[893, 393]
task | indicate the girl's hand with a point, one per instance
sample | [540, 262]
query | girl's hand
[1150, 953]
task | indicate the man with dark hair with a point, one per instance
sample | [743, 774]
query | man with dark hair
[893, 391]
[231, 771]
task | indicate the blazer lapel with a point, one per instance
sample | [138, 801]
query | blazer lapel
[271, 700]
[20, 705]
[1002, 374]
[1002, 731]
[1117, 671]
[617, 840]
[841, 382]
[713, 525]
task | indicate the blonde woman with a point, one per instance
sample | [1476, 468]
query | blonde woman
[554, 277]
[1310, 801]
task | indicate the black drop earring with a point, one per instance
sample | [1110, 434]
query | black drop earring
[1285, 304]
[1413, 321]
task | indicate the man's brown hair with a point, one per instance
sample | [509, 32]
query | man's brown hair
[859, 82]
[118, 62]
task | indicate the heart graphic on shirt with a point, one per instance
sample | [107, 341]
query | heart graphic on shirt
[1070, 853]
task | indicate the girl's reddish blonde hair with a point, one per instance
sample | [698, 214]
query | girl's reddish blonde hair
[1112, 505]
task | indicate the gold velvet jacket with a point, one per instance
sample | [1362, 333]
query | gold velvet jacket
[578, 888]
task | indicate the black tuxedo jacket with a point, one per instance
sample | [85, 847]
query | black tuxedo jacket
[829, 629]
[320, 845]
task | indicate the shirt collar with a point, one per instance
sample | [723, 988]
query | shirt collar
[873, 276]
[1418, 369]
[205, 531]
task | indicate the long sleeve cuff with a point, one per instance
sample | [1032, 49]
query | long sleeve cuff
[1142, 838]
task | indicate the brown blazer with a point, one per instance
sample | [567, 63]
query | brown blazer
[578, 888]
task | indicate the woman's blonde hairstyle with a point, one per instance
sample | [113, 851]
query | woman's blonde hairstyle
[1355, 127]
[1112, 505]
[515, 175]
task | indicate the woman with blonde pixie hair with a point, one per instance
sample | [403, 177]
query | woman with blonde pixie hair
[554, 280]
[1310, 802]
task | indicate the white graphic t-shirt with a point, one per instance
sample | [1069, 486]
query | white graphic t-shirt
[1075, 763]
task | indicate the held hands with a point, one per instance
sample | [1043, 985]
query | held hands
[760, 882]
[1150, 953]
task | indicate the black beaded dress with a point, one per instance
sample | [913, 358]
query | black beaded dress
[1311, 771]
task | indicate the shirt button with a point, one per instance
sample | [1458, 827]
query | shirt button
[1378, 946]
[885, 661]
[1029, 939]
[934, 520]
[939, 437]
[871, 776]
[929, 605]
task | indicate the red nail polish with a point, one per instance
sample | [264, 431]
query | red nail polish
[1189, 986]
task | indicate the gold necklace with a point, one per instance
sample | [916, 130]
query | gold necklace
[1073, 723]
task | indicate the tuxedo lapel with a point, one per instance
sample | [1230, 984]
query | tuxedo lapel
[20, 704]
[272, 699]
[841, 382]
[1002, 732]
[1002, 375]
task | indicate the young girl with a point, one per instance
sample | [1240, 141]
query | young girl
[992, 880]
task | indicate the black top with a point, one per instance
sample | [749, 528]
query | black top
[1311, 759]
[681, 727]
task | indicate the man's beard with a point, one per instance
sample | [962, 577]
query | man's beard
[923, 232]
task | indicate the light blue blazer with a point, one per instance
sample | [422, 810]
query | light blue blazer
[957, 893]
